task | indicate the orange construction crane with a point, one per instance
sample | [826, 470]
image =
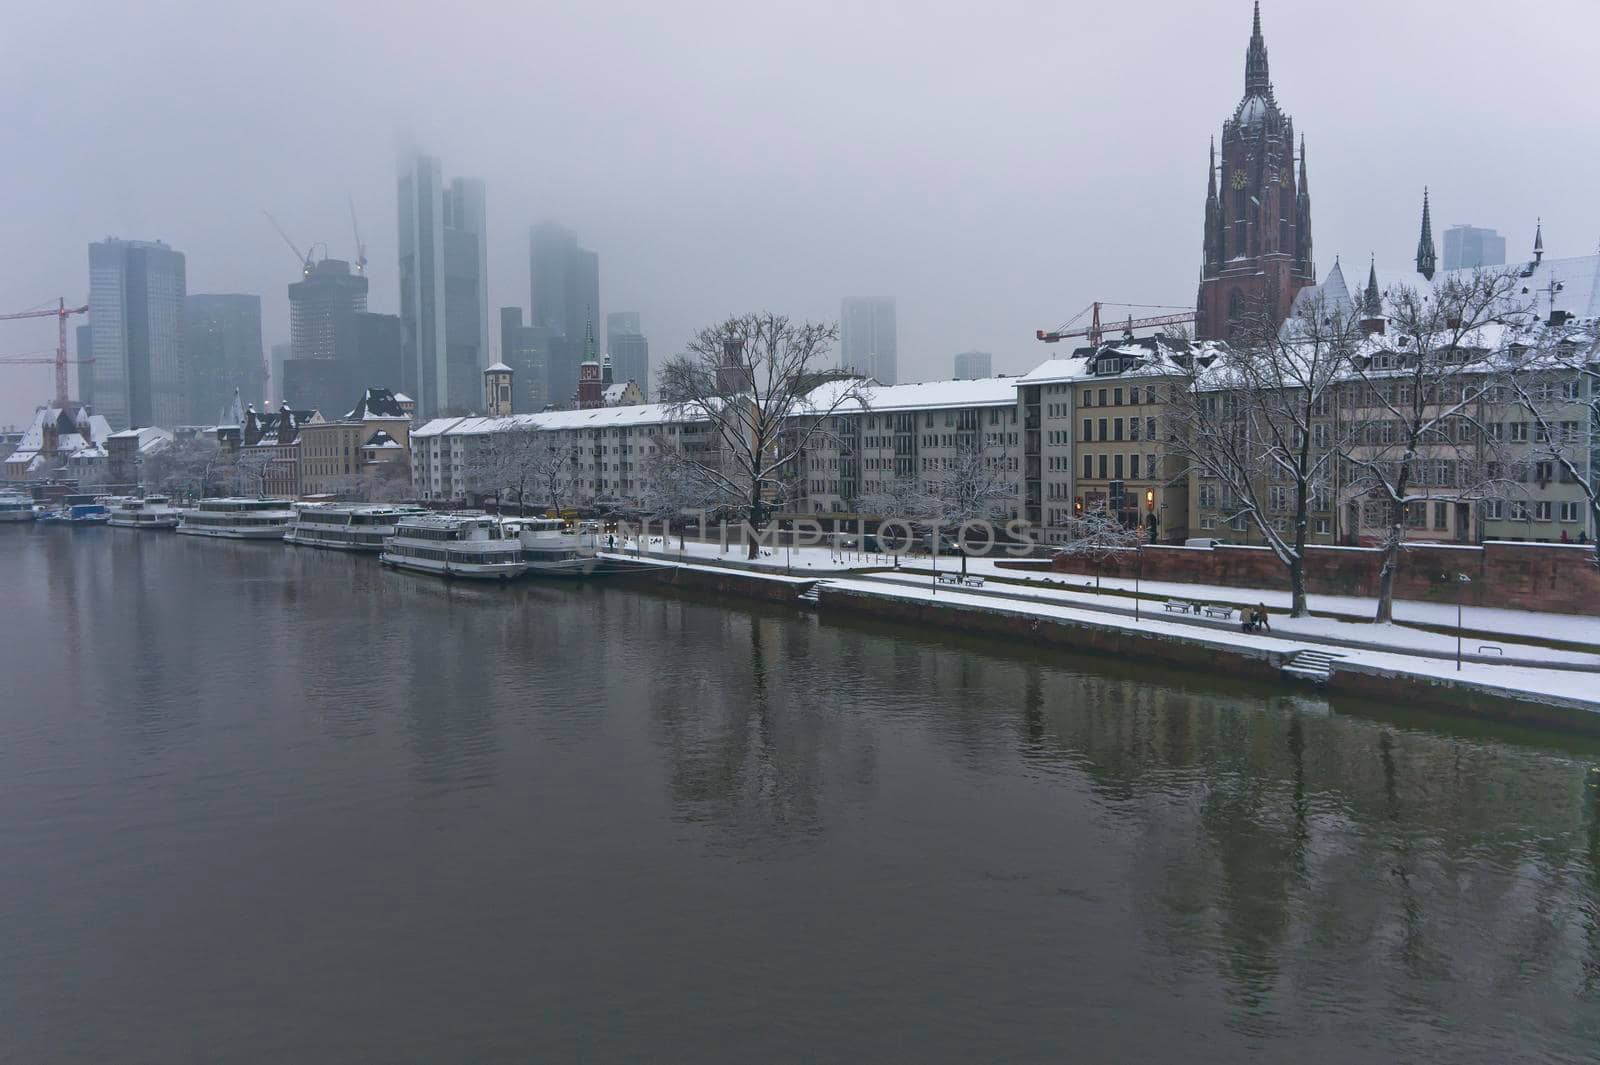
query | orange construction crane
[60, 312]
[1096, 332]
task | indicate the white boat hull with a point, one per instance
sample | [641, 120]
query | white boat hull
[567, 567]
[303, 538]
[161, 523]
[477, 571]
[222, 532]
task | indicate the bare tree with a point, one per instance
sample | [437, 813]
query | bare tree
[1098, 535]
[1255, 425]
[187, 469]
[977, 484]
[1420, 393]
[1556, 380]
[555, 471]
[248, 469]
[756, 381]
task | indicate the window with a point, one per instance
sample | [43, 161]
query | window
[1208, 495]
[1088, 466]
[1116, 429]
[1103, 428]
[1088, 397]
[1133, 395]
[1150, 464]
[1569, 510]
[1133, 466]
[1493, 509]
[1541, 510]
[1321, 526]
[1103, 467]
[1149, 428]
[1519, 510]
[1102, 397]
[1519, 432]
[1441, 515]
[1117, 466]
[1116, 396]
[1133, 428]
[1088, 429]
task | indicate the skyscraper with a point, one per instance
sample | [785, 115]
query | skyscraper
[1466, 247]
[444, 291]
[279, 356]
[85, 366]
[136, 318]
[327, 293]
[525, 348]
[629, 350]
[971, 365]
[565, 278]
[867, 338]
[222, 348]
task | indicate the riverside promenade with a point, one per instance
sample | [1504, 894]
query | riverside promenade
[1515, 666]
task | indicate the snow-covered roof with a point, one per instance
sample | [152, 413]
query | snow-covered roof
[1156, 356]
[150, 439]
[381, 439]
[498, 367]
[402, 397]
[1576, 283]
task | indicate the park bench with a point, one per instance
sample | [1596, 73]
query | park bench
[1223, 612]
[948, 578]
[1178, 606]
[972, 582]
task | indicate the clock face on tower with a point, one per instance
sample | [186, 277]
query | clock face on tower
[1238, 179]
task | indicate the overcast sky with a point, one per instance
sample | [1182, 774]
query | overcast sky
[993, 167]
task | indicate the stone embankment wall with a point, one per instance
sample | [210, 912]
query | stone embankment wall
[1561, 578]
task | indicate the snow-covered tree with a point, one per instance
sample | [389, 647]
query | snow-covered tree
[1098, 535]
[1555, 379]
[977, 484]
[504, 464]
[757, 382]
[1256, 425]
[1420, 389]
[555, 471]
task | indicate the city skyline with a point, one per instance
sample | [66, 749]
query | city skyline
[700, 240]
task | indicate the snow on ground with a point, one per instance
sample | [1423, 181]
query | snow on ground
[1568, 628]
[1565, 684]
[798, 559]
[1399, 637]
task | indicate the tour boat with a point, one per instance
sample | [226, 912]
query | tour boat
[552, 549]
[455, 545]
[151, 512]
[238, 519]
[77, 514]
[345, 526]
[17, 508]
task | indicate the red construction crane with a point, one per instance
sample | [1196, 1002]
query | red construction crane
[1095, 332]
[60, 312]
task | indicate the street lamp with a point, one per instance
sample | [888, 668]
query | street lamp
[1461, 578]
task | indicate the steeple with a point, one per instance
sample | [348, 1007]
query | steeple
[1305, 186]
[1211, 174]
[1427, 261]
[588, 335]
[1372, 302]
[1256, 81]
[1538, 242]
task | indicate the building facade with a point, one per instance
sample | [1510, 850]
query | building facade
[222, 348]
[1468, 247]
[137, 322]
[444, 292]
[1257, 247]
[867, 338]
[565, 298]
[630, 354]
[971, 365]
[526, 349]
[325, 296]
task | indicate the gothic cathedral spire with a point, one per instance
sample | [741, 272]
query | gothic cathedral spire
[1372, 302]
[1256, 80]
[1427, 262]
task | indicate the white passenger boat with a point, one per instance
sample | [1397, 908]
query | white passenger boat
[151, 512]
[238, 519]
[345, 526]
[552, 548]
[475, 546]
[15, 507]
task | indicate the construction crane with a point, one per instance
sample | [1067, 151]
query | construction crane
[303, 259]
[1096, 332]
[60, 312]
[361, 246]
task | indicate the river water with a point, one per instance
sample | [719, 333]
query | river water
[271, 804]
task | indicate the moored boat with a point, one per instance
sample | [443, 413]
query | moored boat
[474, 546]
[151, 512]
[15, 507]
[238, 519]
[77, 514]
[346, 526]
[553, 548]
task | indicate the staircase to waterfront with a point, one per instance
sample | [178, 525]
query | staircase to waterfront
[810, 596]
[1309, 666]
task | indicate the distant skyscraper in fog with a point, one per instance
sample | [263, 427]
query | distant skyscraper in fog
[280, 355]
[629, 350]
[223, 352]
[565, 279]
[867, 338]
[444, 290]
[136, 317]
[85, 367]
[1468, 246]
[971, 365]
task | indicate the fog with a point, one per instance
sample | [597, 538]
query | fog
[992, 167]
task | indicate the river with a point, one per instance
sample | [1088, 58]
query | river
[270, 804]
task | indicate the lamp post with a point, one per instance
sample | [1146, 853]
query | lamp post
[1138, 571]
[1461, 578]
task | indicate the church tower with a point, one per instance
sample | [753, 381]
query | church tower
[1257, 247]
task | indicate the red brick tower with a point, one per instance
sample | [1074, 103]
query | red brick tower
[1258, 210]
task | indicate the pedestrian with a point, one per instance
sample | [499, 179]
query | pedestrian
[1261, 617]
[1583, 536]
[1565, 538]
